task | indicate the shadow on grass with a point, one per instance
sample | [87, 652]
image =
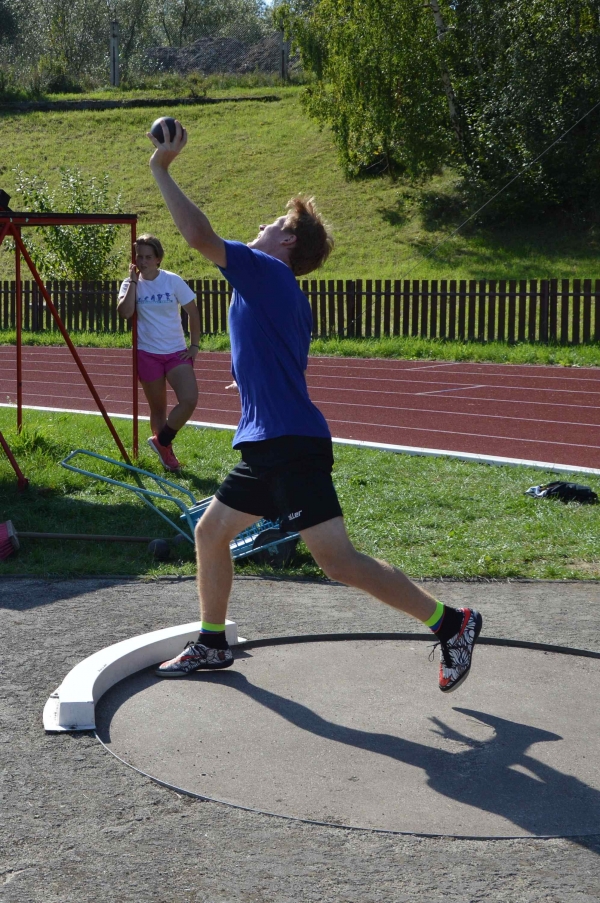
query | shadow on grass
[490, 243]
[48, 510]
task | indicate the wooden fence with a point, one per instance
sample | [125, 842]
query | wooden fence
[548, 310]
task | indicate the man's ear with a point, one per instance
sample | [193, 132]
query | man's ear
[289, 239]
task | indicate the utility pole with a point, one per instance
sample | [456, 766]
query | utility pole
[114, 54]
[284, 54]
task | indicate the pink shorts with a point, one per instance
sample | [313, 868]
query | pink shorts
[153, 366]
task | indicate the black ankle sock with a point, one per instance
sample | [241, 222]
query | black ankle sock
[166, 435]
[451, 623]
[213, 640]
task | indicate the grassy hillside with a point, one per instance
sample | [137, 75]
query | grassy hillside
[243, 162]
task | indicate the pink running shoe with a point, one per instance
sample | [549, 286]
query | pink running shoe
[165, 453]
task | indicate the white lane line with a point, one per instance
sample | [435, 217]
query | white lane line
[537, 389]
[126, 416]
[468, 456]
[362, 443]
[455, 414]
[456, 389]
[422, 429]
[106, 398]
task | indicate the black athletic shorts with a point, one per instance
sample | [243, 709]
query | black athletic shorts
[288, 477]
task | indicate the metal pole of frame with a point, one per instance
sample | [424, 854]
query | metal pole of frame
[114, 54]
[134, 368]
[19, 325]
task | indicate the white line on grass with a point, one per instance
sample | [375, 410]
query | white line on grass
[360, 443]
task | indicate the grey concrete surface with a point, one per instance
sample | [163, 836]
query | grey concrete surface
[357, 733]
[75, 825]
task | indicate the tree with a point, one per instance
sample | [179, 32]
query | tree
[528, 71]
[485, 84]
[70, 252]
[377, 81]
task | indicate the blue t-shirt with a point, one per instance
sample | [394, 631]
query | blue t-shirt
[270, 323]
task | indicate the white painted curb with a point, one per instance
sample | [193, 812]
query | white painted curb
[71, 706]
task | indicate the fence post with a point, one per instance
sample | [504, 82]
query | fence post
[406, 308]
[554, 310]
[502, 310]
[443, 332]
[397, 306]
[544, 310]
[491, 312]
[414, 327]
[522, 307]
[341, 297]
[481, 311]
[576, 311]
[358, 308]
[350, 308]
[532, 311]
[377, 330]
[322, 308]
[387, 307]
[331, 307]
[368, 308]
[472, 310]
[433, 312]
[512, 310]
[424, 308]
[587, 310]
[224, 295]
[597, 311]
[452, 311]
[564, 311]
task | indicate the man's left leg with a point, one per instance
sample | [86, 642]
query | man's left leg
[214, 531]
[456, 629]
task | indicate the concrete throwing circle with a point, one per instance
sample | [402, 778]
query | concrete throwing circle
[356, 733]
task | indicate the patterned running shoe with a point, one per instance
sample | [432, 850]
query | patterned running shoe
[195, 657]
[165, 453]
[457, 652]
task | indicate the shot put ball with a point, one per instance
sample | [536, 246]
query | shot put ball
[159, 549]
[157, 129]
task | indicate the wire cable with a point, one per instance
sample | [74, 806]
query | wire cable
[422, 258]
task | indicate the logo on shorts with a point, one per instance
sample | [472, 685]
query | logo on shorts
[295, 515]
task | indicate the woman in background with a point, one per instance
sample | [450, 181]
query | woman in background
[163, 357]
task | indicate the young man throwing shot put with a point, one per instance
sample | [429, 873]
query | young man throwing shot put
[283, 439]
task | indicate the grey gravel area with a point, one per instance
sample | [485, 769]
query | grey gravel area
[75, 825]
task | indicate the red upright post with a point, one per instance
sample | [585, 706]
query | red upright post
[135, 442]
[19, 324]
[70, 344]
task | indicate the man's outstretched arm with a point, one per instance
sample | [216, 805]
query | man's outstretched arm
[189, 219]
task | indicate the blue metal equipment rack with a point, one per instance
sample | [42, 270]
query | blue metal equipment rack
[263, 536]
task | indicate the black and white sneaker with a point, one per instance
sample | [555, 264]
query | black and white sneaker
[457, 652]
[196, 657]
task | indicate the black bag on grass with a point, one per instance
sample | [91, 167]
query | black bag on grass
[566, 492]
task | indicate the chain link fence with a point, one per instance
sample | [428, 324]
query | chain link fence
[68, 45]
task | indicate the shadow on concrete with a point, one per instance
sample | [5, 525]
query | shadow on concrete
[497, 775]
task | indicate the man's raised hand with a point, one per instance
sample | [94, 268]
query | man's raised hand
[166, 151]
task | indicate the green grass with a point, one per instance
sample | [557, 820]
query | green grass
[244, 161]
[431, 517]
[401, 348]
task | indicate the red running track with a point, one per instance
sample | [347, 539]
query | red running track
[546, 414]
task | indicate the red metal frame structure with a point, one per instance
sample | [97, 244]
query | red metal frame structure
[11, 223]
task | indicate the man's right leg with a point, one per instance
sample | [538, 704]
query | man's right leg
[214, 531]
